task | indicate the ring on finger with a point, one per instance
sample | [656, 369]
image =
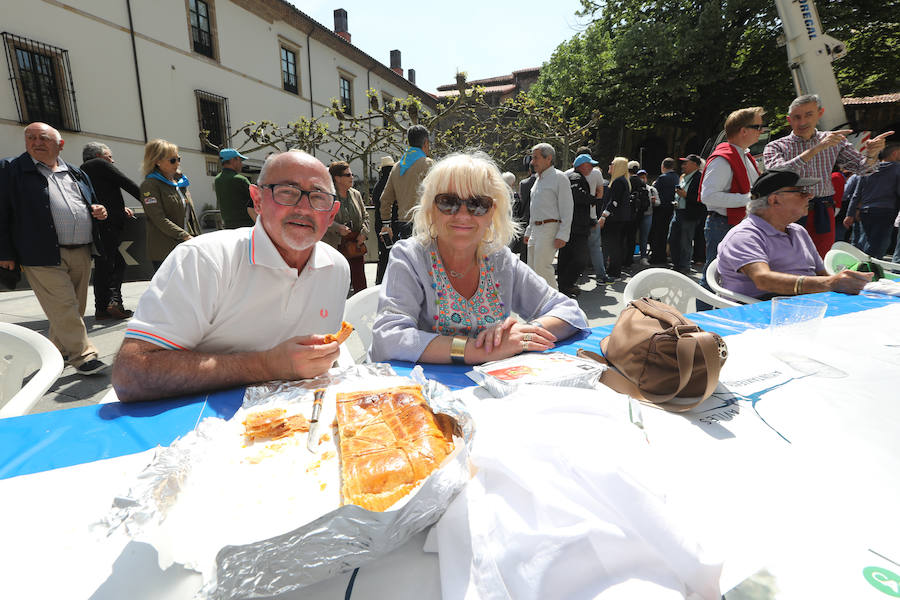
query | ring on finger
[524, 345]
[527, 337]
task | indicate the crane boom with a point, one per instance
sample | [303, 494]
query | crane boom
[810, 54]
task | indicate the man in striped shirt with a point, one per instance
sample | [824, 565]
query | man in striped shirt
[814, 153]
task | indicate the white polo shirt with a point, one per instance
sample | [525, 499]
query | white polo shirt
[231, 291]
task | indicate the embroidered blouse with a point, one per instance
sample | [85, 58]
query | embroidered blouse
[418, 303]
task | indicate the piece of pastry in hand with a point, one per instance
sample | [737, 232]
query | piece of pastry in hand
[390, 441]
[342, 334]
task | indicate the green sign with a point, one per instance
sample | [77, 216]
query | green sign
[886, 582]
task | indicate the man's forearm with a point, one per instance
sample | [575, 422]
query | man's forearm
[146, 374]
[786, 284]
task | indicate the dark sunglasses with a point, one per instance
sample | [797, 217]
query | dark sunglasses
[476, 205]
[174, 160]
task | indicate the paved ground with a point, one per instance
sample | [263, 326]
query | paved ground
[601, 305]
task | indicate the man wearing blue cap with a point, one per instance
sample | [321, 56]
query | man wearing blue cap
[233, 191]
[573, 256]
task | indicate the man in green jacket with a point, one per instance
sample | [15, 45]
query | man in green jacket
[233, 191]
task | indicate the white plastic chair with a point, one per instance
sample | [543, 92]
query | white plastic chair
[23, 351]
[859, 255]
[715, 282]
[672, 288]
[360, 312]
[837, 260]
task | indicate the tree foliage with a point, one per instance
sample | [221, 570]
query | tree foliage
[643, 63]
[871, 30]
[465, 121]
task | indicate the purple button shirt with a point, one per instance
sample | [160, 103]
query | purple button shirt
[755, 240]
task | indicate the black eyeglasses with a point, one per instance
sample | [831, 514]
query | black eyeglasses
[761, 128]
[476, 205]
[286, 194]
[176, 159]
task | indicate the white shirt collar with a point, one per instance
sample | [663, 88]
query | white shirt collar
[264, 253]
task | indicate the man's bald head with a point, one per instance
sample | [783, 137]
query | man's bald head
[43, 143]
[306, 162]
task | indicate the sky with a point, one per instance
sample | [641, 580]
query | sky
[437, 39]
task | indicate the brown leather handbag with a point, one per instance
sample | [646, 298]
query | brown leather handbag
[659, 357]
[349, 248]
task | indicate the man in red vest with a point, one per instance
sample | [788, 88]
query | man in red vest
[729, 173]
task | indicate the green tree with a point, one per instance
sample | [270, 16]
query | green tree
[690, 62]
[871, 30]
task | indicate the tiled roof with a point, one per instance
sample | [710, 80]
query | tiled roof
[491, 80]
[882, 99]
[495, 89]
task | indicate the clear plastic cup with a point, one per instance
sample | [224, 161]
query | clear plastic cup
[797, 315]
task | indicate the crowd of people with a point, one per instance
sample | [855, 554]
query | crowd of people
[466, 257]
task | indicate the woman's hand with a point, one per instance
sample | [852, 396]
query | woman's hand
[512, 337]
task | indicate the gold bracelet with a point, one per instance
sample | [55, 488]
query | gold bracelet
[458, 350]
[798, 285]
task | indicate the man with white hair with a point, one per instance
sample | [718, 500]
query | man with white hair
[814, 153]
[109, 267]
[248, 305]
[768, 254]
[550, 213]
[48, 226]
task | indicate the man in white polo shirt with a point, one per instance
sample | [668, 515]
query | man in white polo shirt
[243, 306]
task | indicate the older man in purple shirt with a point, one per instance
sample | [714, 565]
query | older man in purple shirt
[767, 254]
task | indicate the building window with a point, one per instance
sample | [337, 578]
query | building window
[42, 83]
[212, 113]
[201, 27]
[346, 95]
[289, 70]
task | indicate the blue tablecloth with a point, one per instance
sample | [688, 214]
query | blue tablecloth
[62, 438]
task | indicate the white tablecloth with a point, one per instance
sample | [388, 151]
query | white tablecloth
[805, 486]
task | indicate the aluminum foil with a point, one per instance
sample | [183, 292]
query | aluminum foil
[342, 539]
[290, 390]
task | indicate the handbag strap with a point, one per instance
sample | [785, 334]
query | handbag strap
[685, 350]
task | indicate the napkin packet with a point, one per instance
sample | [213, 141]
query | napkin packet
[265, 528]
[503, 377]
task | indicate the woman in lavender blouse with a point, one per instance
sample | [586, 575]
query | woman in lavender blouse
[450, 291]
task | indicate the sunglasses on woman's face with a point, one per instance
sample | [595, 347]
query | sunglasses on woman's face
[173, 160]
[476, 205]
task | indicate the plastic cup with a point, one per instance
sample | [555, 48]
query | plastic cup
[796, 315]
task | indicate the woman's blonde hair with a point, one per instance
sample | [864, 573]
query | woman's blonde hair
[155, 151]
[619, 168]
[467, 174]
